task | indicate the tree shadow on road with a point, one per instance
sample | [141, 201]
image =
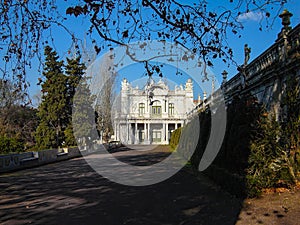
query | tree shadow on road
[71, 192]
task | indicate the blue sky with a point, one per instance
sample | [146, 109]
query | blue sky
[256, 39]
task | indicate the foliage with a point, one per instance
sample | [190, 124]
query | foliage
[55, 112]
[175, 137]
[232, 159]
[106, 97]
[52, 111]
[26, 26]
[8, 145]
[275, 150]
[258, 151]
[196, 26]
[17, 122]
[242, 116]
[205, 123]
[291, 116]
[265, 151]
[74, 71]
[83, 119]
[8, 94]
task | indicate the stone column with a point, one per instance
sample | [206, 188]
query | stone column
[128, 134]
[136, 134]
[167, 133]
[148, 134]
[145, 133]
[164, 134]
[119, 131]
[175, 126]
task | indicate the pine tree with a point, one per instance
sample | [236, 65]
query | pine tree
[53, 111]
[74, 71]
[83, 116]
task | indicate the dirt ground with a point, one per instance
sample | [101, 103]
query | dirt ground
[272, 208]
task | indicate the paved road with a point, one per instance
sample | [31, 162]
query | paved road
[71, 192]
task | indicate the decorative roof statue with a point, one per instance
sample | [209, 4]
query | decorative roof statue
[247, 52]
[286, 19]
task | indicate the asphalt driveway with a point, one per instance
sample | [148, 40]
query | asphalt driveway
[71, 192]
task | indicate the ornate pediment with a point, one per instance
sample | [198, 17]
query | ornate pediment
[158, 90]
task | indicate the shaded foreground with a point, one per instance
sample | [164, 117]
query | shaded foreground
[70, 192]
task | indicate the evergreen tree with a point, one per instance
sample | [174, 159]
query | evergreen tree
[74, 71]
[83, 117]
[53, 111]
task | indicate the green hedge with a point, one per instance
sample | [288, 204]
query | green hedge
[175, 137]
[254, 154]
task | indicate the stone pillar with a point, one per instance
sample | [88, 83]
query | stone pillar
[148, 134]
[119, 131]
[175, 126]
[136, 134]
[164, 134]
[128, 134]
[145, 133]
[167, 133]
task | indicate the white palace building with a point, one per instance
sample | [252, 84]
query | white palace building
[149, 115]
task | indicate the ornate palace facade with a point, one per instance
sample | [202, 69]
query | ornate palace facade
[149, 115]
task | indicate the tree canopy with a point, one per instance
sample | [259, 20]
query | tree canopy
[17, 122]
[201, 27]
[52, 111]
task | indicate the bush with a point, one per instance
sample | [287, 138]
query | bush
[8, 145]
[263, 161]
[175, 137]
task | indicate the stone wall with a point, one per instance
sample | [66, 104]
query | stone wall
[13, 162]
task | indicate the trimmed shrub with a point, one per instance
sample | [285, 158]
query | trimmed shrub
[175, 137]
